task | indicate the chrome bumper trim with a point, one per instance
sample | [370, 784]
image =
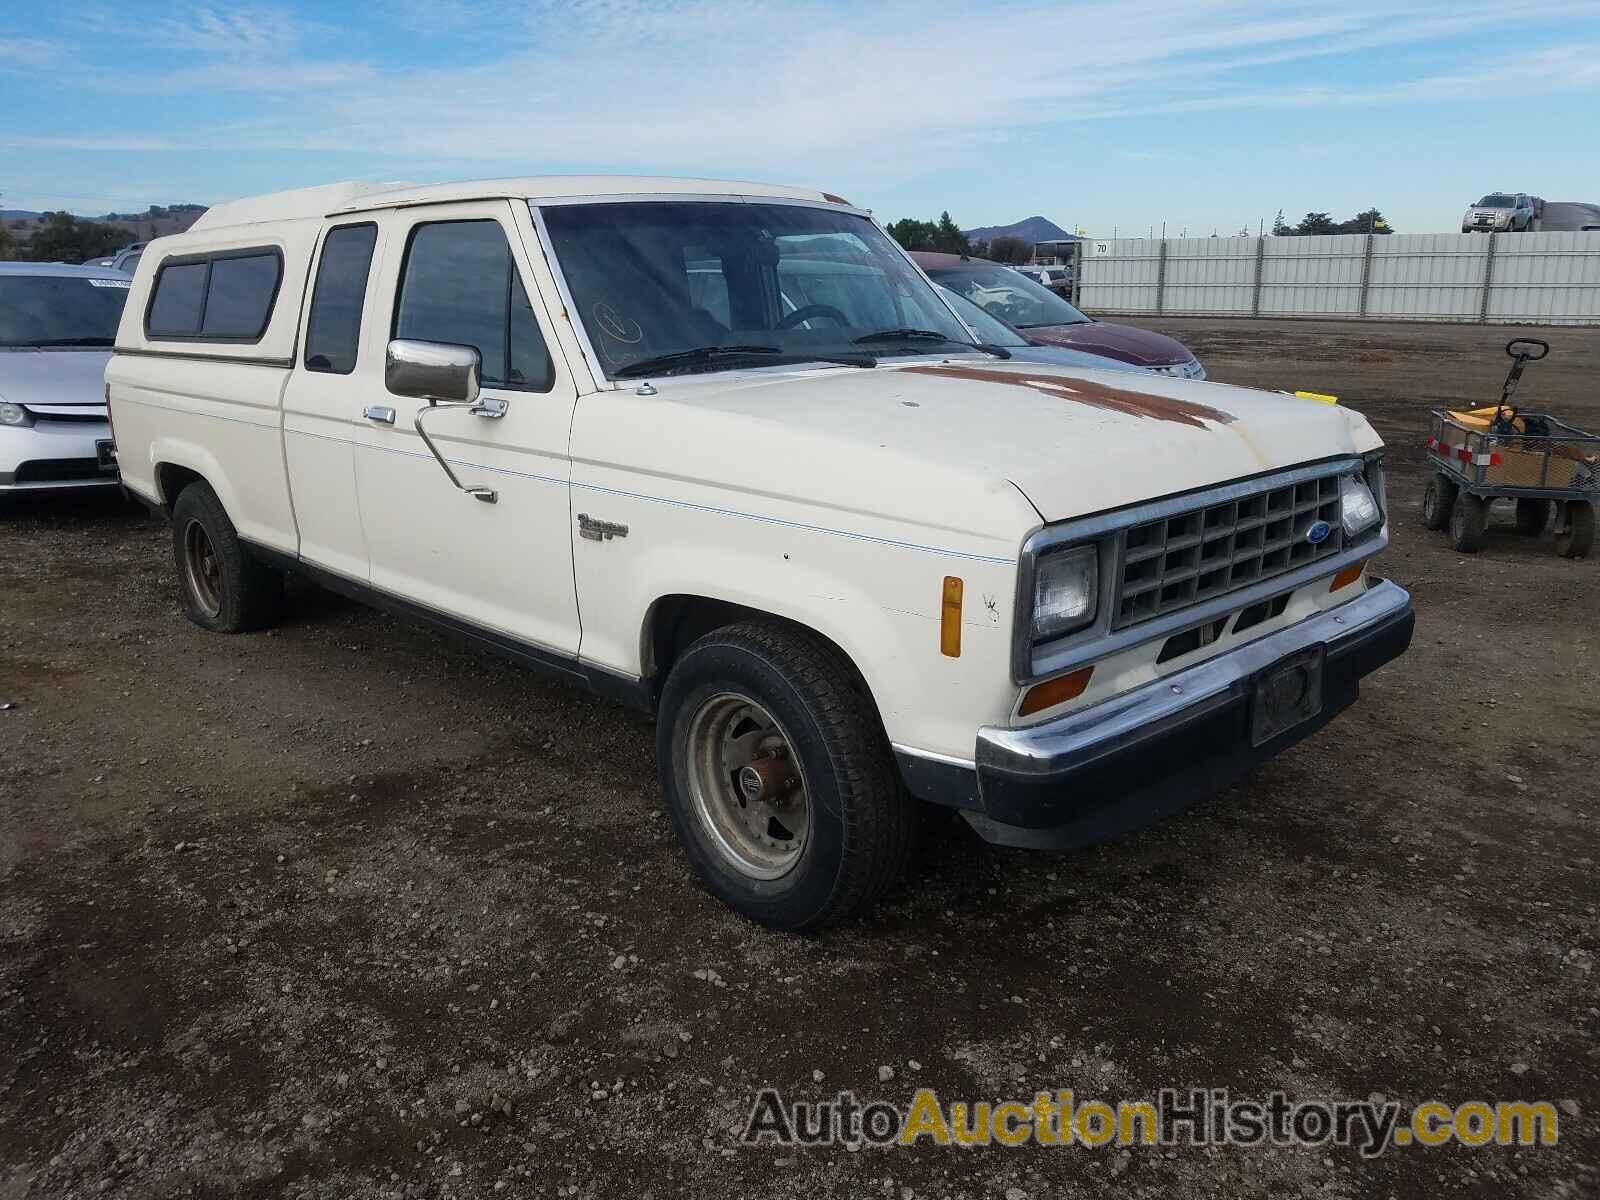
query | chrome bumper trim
[1080, 737]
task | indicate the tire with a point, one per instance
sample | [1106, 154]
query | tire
[1469, 516]
[224, 590]
[1532, 516]
[787, 696]
[1577, 538]
[1437, 500]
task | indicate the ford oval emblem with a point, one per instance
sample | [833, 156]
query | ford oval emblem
[1318, 532]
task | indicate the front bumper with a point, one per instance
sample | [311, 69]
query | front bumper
[1142, 756]
[55, 454]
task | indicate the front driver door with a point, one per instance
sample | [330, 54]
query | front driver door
[462, 278]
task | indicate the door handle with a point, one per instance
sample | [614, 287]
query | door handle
[491, 407]
[379, 413]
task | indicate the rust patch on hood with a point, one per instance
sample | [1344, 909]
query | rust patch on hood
[1096, 395]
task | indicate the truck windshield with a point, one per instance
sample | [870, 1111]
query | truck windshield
[1010, 295]
[1497, 200]
[60, 310]
[725, 285]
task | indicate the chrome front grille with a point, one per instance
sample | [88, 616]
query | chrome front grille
[1177, 561]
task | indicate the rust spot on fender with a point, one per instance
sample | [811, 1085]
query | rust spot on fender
[1096, 395]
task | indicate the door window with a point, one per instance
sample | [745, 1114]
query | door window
[460, 285]
[333, 329]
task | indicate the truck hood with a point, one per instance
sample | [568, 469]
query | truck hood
[1073, 441]
[44, 379]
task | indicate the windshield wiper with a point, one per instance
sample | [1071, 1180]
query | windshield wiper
[703, 355]
[928, 335]
[75, 341]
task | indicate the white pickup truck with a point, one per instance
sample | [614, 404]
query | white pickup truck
[723, 451]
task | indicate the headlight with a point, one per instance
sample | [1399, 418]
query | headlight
[1358, 507]
[1066, 591]
[14, 414]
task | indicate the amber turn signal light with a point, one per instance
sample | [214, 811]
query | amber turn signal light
[950, 618]
[1347, 576]
[1055, 691]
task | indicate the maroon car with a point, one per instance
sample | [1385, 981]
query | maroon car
[1047, 319]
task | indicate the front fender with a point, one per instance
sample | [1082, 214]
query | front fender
[879, 604]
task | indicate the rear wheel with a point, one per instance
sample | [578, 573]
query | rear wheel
[778, 777]
[223, 588]
[1577, 538]
[1469, 517]
[1437, 500]
[1532, 516]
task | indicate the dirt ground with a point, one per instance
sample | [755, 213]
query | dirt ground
[343, 910]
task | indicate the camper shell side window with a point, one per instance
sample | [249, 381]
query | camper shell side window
[216, 296]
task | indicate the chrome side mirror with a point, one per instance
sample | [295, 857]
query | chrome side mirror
[446, 376]
[434, 371]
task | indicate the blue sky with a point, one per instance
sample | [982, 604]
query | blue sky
[1105, 116]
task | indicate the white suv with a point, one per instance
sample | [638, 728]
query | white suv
[722, 451]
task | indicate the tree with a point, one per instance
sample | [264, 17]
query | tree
[949, 237]
[943, 235]
[913, 234]
[1315, 223]
[8, 244]
[1008, 249]
[62, 237]
[1371, 221]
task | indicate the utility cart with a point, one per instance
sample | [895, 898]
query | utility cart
[1505, 453]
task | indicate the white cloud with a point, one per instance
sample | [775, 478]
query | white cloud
[25, 52]
[229, 33]
[811, 90]
[889, 88]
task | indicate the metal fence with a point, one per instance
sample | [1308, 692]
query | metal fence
[1511, 278]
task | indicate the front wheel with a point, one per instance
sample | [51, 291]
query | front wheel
[778, 777]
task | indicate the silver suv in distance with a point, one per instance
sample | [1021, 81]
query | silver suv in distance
[57, 326]
[1503, 212]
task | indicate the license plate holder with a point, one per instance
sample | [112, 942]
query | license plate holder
[1287, 694]
[105, 453]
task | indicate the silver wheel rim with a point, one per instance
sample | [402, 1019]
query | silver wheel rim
[747, 788]
[202, 571]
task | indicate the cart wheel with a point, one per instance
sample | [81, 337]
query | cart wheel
[1468, 518]
[1574, 541]
[1532, 516]
[1437, 500]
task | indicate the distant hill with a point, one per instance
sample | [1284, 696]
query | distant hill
[1030, 230]
[156, 221]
